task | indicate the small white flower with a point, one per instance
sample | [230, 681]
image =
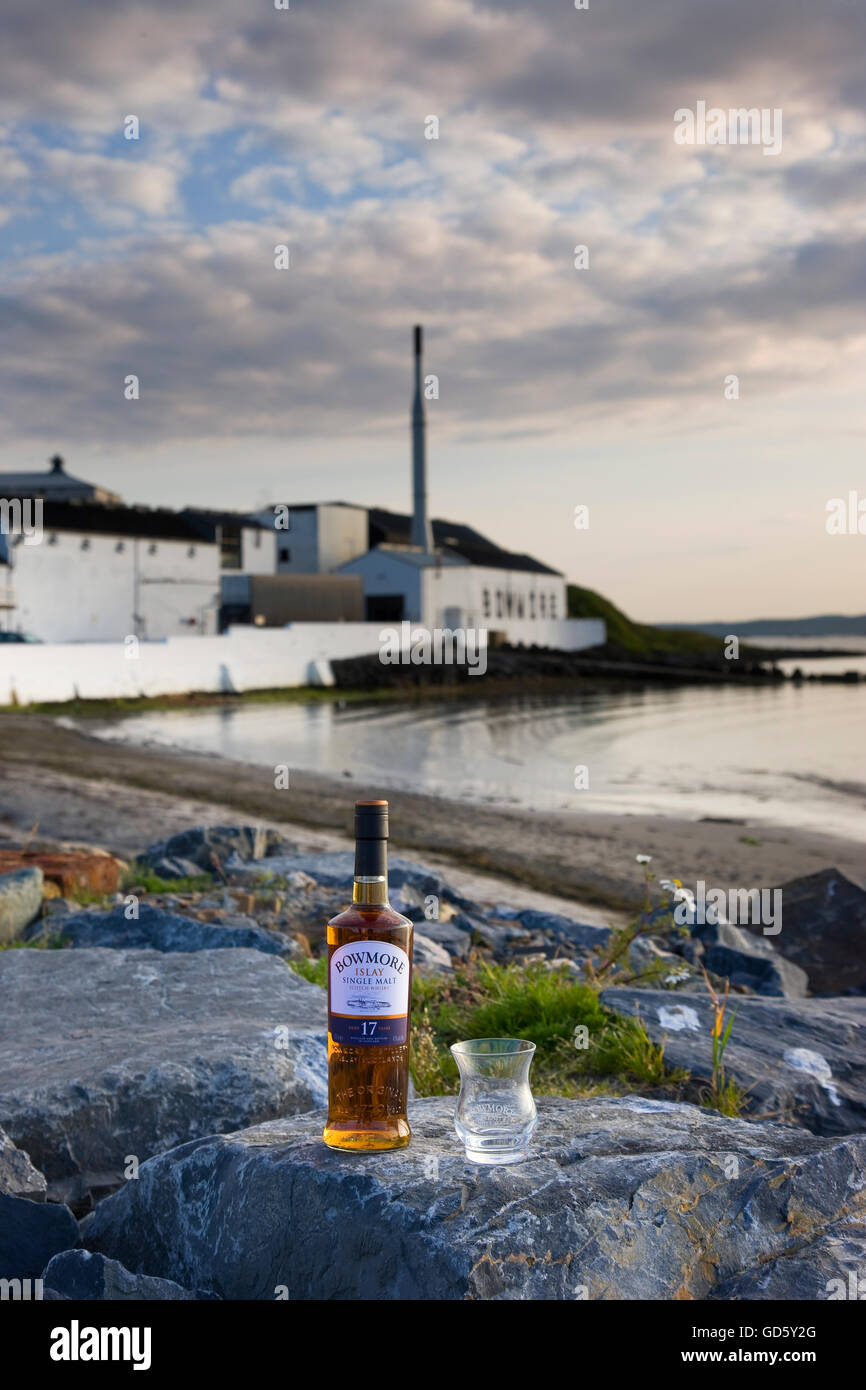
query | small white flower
[643, 858]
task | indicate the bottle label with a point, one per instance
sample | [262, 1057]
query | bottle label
[368, 1001]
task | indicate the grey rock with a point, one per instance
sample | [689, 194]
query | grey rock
[669, 971]
[750, 960]
[619, 1199]
[105, 1054]
[30, 1233]
[831, 1268]
[20, 900]
[18, 1177]
[564, 929]
[428, 955]
[157, 930]
[171, 867]
[456, 940]
[824, 931]
[202, 843]
[803, 1061]
[499, 937]
[78, 1274]
[336, 870]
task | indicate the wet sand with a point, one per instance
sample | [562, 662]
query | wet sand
[76, 787]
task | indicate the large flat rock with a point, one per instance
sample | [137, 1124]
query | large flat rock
[158, 930]
[802, 1060]
[620, 1199]
[107, 1054]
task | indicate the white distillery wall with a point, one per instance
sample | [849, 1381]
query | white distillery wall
[259, 550]
[241, 659]
[476, 596]
[68, 592]
[562, 635]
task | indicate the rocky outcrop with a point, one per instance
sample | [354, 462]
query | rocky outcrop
[802, 1061]
[833, 1267]
[824, 931]
[78, 1274]
[428, 955]
[619, 1199]
[20, 901]
[750, 960]
[207, 848]
[157, 930]
[112, 1055]
[18, 1177]
[30, 1233]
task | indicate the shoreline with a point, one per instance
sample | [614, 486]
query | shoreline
[76, 787]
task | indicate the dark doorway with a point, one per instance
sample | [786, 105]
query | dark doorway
[384, 608]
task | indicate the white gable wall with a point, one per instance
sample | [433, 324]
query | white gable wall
[343, 535]
[66, 592]
[383, 572]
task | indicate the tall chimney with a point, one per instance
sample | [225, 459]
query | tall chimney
[421, 534]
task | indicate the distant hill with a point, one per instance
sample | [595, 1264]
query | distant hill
[826, 625]
[639, 639]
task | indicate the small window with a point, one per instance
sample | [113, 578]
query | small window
[485, 599]
[541, 601]
[499, 603]
[553, 605]
[532, 605]
[285, 555]
[153, 548]
[52, 539]
[258, 540]
[191, 555]
[85, 544]
[119, 548]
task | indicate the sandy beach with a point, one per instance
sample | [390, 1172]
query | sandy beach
[73, 786]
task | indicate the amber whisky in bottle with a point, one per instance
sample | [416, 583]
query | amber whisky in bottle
[369, 994]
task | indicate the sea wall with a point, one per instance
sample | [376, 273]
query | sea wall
[241, 659]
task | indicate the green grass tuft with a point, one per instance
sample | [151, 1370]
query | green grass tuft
[547, 1007]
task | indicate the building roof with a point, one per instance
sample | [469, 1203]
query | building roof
[205, 522]
[53, 482]
[454, 539]
[313, 506]
[99, 518]
[419, 559]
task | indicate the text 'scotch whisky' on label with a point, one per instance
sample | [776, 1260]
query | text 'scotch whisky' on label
[369, 1002]
[369, 994]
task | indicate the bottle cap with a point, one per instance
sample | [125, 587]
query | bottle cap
[371, 820]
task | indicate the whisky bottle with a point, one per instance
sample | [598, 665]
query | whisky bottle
[369, 990]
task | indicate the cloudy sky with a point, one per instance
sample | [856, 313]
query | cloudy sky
[558, 386]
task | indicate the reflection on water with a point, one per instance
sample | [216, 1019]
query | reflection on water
[794, 755]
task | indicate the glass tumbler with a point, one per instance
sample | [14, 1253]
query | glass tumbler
[495, 1113]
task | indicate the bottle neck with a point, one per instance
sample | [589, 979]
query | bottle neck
[371, 872]
[369, 888]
